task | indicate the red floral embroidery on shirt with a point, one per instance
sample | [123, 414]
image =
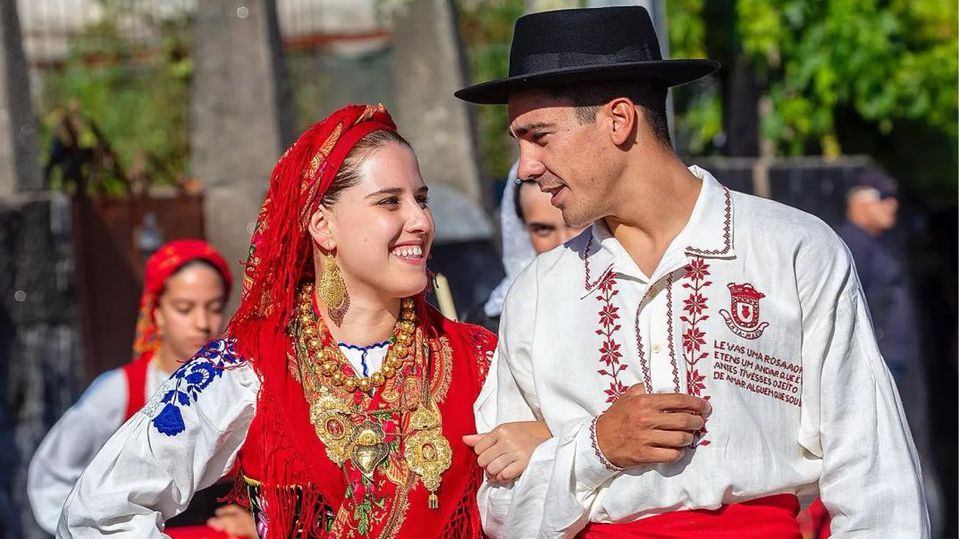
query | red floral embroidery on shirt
[610, 351]
[694, 338]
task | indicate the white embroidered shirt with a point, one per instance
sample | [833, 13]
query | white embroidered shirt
[755, 306]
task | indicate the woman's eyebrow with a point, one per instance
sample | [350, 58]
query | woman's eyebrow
[386, 191]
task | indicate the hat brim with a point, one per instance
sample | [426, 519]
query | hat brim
[669, 72]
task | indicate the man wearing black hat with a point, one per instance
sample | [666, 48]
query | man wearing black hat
[703, 358]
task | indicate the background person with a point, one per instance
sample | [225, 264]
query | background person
[186, 284]
[529, 225]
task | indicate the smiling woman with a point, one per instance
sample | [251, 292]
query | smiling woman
[339, 397]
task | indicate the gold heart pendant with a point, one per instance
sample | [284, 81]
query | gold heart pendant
[369, 450]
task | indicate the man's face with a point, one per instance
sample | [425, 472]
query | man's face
[876, 212]
[543, 222]
[884, 212]
[565, 158]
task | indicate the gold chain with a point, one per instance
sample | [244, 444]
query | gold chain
[331, 359]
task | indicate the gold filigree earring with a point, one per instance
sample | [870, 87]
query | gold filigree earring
[333, 290]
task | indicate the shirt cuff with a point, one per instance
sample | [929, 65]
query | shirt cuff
[592, 467]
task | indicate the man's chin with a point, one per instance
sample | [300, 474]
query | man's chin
[573, 220]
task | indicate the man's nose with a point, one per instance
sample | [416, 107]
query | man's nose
[530, 167]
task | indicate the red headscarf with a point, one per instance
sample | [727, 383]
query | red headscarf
[281, 247]
[166, 261]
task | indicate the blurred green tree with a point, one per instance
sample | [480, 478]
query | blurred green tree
[487, 28]
[799, 77]
[843, 76]
[126, 89]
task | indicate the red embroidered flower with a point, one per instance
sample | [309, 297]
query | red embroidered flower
[609, 352]
[693, 339]
[615, 390]
[695, 304]
[389, 431]
[606, 284]
[697, 269]
[695, 382]
[356, 480]
[608, 315]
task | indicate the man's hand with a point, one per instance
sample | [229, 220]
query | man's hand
[504, 452]
[234, 521]
[641, 429]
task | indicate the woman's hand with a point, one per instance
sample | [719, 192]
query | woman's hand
[504, 452]
[234, 521]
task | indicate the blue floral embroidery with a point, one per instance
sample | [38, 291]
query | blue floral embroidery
[192, 379]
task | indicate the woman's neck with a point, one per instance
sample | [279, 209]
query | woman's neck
[367, 321]
[164, 360]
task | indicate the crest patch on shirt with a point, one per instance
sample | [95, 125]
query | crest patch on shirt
[744, 304]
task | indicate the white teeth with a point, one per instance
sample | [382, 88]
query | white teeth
[409, 252]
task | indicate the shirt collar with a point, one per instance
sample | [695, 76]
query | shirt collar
[708, 234]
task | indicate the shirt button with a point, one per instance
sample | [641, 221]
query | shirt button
[657, 348]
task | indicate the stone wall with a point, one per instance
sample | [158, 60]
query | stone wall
[40, 362]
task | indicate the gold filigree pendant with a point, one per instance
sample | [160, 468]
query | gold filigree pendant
[428, 455]
[332, 424]
[428, 452]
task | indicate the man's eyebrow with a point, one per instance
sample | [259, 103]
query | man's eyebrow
[522, 130]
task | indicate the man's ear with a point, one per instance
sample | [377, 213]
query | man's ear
[320, 229]
[622, 117]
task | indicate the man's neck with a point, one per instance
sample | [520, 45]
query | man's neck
[657, 203]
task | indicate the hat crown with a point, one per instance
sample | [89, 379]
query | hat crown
[570, 37]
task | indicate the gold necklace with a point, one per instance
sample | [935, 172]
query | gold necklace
[351, 434]
[331, 359]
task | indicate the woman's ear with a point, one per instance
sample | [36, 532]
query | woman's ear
[320, 229]
[159, 319]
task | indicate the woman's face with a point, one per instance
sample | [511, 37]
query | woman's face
[190, 311]
[382, 228]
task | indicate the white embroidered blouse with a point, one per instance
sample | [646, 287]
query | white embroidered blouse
[185, 439]
[755, 306]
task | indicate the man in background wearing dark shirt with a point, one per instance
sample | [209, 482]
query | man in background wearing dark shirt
[871, 211]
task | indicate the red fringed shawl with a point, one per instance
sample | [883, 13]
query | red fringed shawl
[282, 450]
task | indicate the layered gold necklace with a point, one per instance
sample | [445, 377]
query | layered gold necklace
[349, 430]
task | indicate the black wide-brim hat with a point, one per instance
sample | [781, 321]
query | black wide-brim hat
[570, 46]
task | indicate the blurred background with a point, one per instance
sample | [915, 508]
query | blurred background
[127, 123]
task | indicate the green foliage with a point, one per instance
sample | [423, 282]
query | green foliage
[487, 29]
[837, 76]
[887, 61]
[134, 92]
[699, 113]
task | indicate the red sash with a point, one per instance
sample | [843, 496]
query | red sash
[136, 374]
[814, 521]
[772, 517]
[195, 532]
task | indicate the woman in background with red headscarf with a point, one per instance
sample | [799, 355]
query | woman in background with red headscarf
[339, 396]
[186, 284]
